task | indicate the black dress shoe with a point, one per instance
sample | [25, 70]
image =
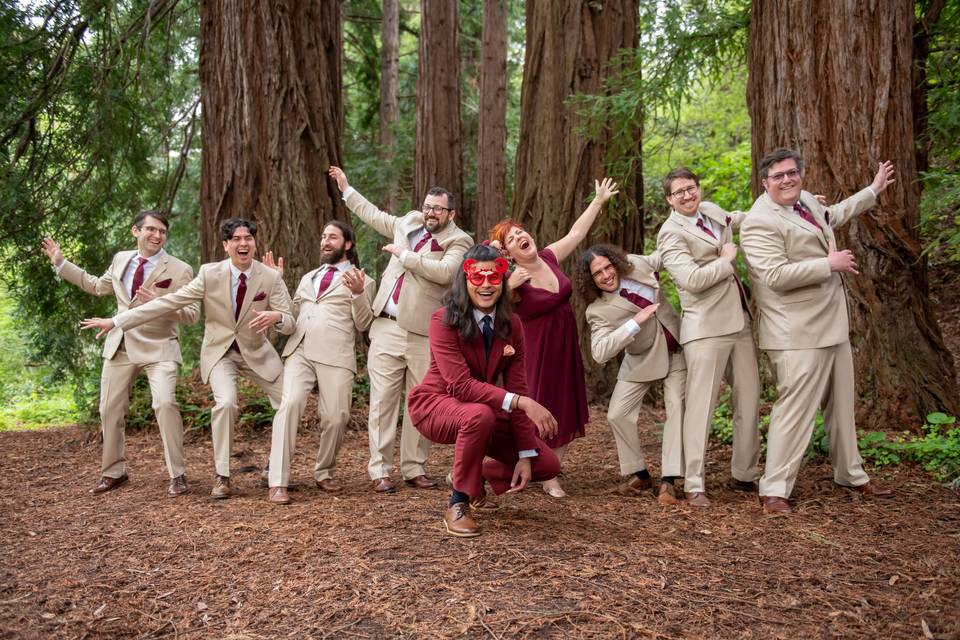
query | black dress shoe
[108, 484]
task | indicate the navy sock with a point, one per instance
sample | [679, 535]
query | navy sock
[456, 496]
[668, 479]
[643, 474]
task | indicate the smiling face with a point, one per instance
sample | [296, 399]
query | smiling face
[684, 196]
[484, 295]
[784, 182]
[241, 247]
[332, 245]
[437, 213]
[151, 235]
[519, 244]
[604, 274]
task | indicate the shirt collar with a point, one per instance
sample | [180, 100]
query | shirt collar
[236, 272]
[152, 260]
[480, 315]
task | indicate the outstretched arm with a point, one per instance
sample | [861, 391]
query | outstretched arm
[381, 221]
[563, 247]
[102, 286]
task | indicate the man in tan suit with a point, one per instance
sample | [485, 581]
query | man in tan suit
[332, 305]
[696, 247]
[426, 248]
[796, 273]
[627, 293]
[242, 301]
[133, 278]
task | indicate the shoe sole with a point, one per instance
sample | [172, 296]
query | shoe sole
[459, 534]
[220, 497]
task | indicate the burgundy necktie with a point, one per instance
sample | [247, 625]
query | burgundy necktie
[705, 228]
[325, 281]
[396, 290]
[241, 292]
[137, 278]
[806, 215]
[672, 345]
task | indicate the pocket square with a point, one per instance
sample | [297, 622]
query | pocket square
[728, 220]
[164, 284]
[434, 245]
[508, 350]
[260, 296]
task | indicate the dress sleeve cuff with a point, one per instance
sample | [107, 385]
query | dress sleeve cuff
[527, 453]
[507, 401]
[632, 327]
[348, 192]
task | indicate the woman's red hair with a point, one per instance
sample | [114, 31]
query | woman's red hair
[501, 229]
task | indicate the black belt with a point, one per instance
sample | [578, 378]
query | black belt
[384, 314]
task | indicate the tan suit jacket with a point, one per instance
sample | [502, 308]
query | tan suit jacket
[802, 303]
[646, 356]
[154, 341]
[428, 272]
[706, 282]
[328, 327]
[266, 291]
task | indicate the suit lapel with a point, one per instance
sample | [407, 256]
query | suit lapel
[722, 223]
[158, 270]
[689, 224]
[619, 302]
[793, 218]
[123, 260]
[254, 285]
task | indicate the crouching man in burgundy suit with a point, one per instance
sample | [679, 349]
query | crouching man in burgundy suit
[475, 394]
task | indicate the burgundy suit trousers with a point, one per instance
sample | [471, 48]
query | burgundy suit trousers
[477, 431]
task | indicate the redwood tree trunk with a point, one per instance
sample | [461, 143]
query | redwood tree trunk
[568, 46]
[834, 80]
[492, 141]
[438, 156]
[272, 110]
[389, 79]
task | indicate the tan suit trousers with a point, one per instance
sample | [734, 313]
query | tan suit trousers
[333, 408]
[116, 382]
[397, 362]
[223, 417]
[707, 360]
[808, 379]
[624, 409]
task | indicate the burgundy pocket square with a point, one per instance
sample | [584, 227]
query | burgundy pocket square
[165, 284]
[728, 221]
[434, 245]
[260, 296]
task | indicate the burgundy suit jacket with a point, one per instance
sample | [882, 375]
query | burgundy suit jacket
[459, 369]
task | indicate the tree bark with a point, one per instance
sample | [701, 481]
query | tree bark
[389, 80]
[492, 140]
[438, 156]
[834, 80]
[569, 44]
[271, 120]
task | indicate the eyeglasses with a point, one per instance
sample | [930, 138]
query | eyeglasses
[477, 278]
[778, 177]
[159, 230]
[689, 191]
[435, 208]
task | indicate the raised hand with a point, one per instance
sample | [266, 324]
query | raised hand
[842, 261]
[884, 177]
[353, 280]
[605, 189]
[264, 320]
[268, 262]
[52, 249]
[518, 277]
[105, 325]
[340, 177]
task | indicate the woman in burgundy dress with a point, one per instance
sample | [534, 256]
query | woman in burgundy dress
[554, 366]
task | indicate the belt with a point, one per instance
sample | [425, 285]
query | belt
[384, 314]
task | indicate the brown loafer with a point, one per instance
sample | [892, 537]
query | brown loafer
[221, 488]
[634, 486]
[384, 485]
[776, 505]
[109, 484]
[668, 495]
[871, 489]
[459, 522]
[178, 486]
[330, 485]
[278, 495]
[698, 499]
[483, 503]
[421, 482]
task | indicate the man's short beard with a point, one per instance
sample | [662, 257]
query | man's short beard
[332, 258]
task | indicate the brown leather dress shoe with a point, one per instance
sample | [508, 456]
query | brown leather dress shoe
[483, 503]
[634, 486]
[384, 485]
[278, 495]
[872, 490]
[421, 482]
[668, 495]
[698, 499]
[108, 484]
[459, 522]
[776, 505]
[178, 486]
[330, 485]
[221, 488]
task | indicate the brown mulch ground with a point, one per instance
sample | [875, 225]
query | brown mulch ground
[133, 563]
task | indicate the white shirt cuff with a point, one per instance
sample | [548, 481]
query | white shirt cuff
[403, 255]
[115, 323]
[872, 191]
[58, 268]
[632, 327]
[527, 453]
[346, 192]
[507, 401]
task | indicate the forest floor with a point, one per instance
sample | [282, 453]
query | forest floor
[133, 563]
